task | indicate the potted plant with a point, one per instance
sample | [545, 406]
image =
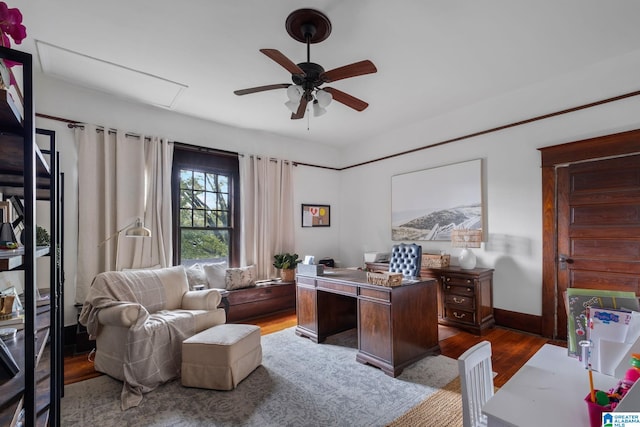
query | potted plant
[286, 263]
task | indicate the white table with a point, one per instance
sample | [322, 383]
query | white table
[548, 390]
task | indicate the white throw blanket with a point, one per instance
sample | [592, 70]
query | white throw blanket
[154, 341]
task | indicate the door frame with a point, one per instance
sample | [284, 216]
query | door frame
[553, 157]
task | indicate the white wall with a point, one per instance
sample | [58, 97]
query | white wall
[511, 186]
[360, 197]
[321, 187]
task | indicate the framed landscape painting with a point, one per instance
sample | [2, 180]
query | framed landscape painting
[428, 204]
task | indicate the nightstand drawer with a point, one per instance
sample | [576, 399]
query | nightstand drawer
[459, 315]
[459, 290]
[458, 281]
[459, 301]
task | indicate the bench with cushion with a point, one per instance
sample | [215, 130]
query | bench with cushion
[242, 297]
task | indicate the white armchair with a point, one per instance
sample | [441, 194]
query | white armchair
[139, 319]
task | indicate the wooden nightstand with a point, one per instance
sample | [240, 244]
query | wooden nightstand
[465, 300]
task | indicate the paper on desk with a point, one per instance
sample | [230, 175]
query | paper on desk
[611, 352]
[606, 326]
[632, 343]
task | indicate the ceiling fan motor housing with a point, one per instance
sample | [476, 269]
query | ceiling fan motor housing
[311, 78]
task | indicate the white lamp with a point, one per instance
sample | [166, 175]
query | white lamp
[134, 229]
[317, 109]
[466, 239]
[324, 98]
[292, 105]
[138, 230]
[295, 92]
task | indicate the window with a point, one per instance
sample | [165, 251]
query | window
[206, 207]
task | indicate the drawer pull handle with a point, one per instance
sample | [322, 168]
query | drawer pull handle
[448, 287]
[468, 289]
[458, 316]
[448, 279]
[458, 301]
[468, 280]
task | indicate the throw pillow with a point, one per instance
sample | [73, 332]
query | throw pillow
[239, 278]
[215, 273]
[196, 276]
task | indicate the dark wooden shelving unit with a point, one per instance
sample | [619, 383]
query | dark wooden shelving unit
[32, 396]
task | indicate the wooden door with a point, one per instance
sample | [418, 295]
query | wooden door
[591, 221]
[598, 227]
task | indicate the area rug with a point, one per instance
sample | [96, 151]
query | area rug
[300, 383]
[442, 409]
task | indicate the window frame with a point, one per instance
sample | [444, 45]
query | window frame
[208, 161]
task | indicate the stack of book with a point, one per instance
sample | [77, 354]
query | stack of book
[15, 321]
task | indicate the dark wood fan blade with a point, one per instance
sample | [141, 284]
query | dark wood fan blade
[351, 70]
[346, 99]
[302, 108]
[261, 88]
[285, 62]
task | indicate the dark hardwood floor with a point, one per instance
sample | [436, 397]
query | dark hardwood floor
[511, 349]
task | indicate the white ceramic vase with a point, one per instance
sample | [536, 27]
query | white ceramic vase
[467, 259]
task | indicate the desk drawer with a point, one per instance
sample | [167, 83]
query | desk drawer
[375, 294]
[459, 301]
[337, 287]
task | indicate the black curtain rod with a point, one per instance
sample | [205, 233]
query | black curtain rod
[109, 131]
[274, 160]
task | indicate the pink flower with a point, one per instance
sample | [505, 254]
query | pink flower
[11, 25]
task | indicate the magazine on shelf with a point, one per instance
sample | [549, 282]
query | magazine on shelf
[579, 300]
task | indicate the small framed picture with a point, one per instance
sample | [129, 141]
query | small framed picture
[316, 216]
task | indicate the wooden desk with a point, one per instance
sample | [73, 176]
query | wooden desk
[396, 326]
[548, 390]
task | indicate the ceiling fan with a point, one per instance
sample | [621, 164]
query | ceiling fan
[311, 26]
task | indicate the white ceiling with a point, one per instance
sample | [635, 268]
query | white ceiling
[433, 57]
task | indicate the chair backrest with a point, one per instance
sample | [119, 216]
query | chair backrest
[476, 383]
[406, 259]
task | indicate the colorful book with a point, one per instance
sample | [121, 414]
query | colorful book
[578, 300]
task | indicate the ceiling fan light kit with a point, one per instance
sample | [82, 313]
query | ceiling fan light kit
[312, 26]
[318, 110]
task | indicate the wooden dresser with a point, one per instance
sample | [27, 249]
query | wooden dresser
[465, 297]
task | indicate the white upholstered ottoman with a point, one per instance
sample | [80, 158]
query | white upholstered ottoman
[220, 357]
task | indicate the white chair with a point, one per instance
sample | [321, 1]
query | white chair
[476, 383]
